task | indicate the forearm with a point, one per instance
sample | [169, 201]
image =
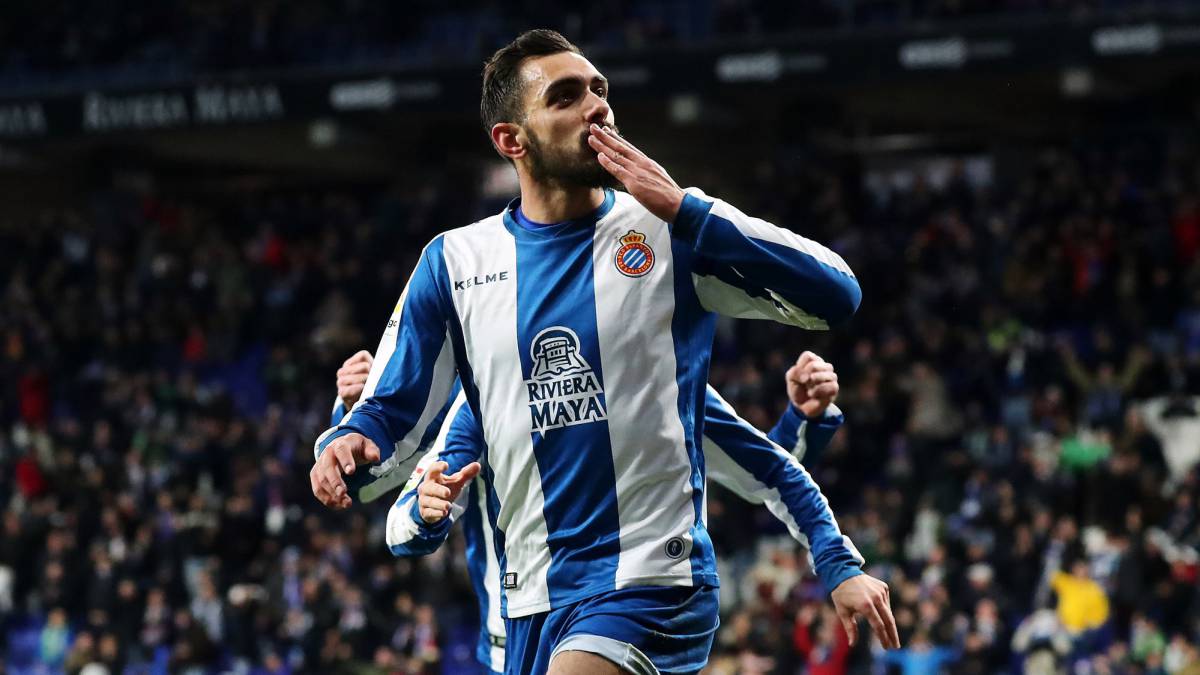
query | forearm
[805, 438]
[408, 535]
[751, 268]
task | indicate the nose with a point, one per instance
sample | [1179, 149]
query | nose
[598, 109]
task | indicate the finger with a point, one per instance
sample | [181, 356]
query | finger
[889, 622]
[819, 366]
[458, 481]
[366, 452]
[345, 458]
[439, 492]
[877, 625]
[435, 470]
[332, 478]
[464, 475]
[849, 625]
[820, 376]
[362, 355]
[318, 488]
[793, 374]
[612, 153]
[625, 145]
[360, 368]
[805, 358]
[433, 510]
[619, 172]
[823, 392]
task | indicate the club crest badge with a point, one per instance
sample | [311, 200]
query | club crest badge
[635, 257]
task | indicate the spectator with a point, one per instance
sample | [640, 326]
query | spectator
[1082, 603]
[1175, 421]
[1043, 641]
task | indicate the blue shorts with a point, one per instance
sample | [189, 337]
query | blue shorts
[645, 630]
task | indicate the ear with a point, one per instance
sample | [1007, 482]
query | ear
[508, 140]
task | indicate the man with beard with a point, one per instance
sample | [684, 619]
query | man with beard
[580, 322]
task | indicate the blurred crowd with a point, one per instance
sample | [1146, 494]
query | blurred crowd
[91, 42]
[1019, 461]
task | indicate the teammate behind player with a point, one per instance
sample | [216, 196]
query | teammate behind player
[580, 321]
[806, 427]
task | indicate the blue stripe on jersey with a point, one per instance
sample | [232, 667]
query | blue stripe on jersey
[472, 521]
[556, 289]
[692, 331]
[493, 511]
[773, 467]
[402, 387]
[817, 432]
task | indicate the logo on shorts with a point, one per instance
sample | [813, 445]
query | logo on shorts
[635, 257]
[509, 580]
[674, 548]
[563, 389]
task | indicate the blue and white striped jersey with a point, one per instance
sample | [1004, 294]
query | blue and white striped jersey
[738, 457]
[583, 352]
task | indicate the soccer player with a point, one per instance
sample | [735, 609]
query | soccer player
[580, 321]
[805, 429]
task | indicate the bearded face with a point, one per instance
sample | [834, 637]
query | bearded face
[574, 165]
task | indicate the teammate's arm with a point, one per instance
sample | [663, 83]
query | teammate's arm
[763, 472]
[420, 520]
[406, 389]
[744, 267]
[351, 379]
[811, 418]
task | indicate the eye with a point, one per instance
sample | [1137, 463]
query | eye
[602, 92]
[564, 98]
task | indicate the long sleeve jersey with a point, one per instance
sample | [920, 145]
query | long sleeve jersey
[583, 352]
[738, 457]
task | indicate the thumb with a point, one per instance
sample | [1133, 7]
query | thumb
[806, 358]
[849, 624]
[370, 451]
[434, 472]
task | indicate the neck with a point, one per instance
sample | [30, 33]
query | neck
[544, 203]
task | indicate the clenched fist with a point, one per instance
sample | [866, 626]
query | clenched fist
[812, 384]
[352, 377]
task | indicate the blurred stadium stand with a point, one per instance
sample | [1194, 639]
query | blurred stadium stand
[208, 205]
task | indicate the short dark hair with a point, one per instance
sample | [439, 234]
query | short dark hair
[502, 87]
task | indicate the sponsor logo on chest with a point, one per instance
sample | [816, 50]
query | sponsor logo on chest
[479, 280]
[562, 387]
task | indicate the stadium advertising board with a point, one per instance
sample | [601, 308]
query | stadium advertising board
[846, 59]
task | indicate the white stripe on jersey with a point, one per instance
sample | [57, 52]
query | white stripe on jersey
[718, 296]
[488, 314]
[632, 354]
[761, 229]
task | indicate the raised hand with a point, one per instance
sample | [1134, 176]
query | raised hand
[352, 377]
[644, 178]
[812, 384]
[438, 491]
[867, 597]
[341, 456]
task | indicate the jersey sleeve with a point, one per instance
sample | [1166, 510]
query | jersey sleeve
[744, 460]
[339, 411]
[413, 372]
[459, 442]
[748, 268]
[806, 438]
